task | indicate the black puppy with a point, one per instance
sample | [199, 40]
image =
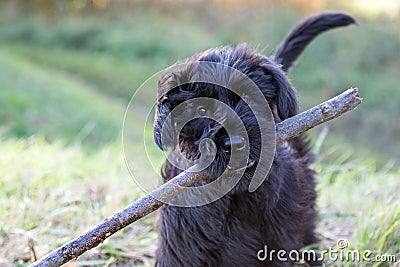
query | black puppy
[281, 213]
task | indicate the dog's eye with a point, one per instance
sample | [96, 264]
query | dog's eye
[201, 111]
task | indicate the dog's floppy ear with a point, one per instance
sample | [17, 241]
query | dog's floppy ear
[163, 109]
[304, 32]
[284, 97]
[286, 100]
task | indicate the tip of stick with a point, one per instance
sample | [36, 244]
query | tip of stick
[355, 92]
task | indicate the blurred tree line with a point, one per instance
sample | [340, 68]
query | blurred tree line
[54, 8]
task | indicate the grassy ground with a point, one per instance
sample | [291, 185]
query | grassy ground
[52, 193]
[64, 89]
[53, 190]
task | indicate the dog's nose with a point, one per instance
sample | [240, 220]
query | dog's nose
[235, 142]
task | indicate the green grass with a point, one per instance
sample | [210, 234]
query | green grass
[67, 172]
[359, 203]
[38, 99]
[114, 77]
[51, 194]
[76, 190]
[65, 85]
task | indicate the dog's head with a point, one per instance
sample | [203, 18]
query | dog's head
[176, 102]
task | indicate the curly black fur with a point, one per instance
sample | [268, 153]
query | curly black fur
[281, 212]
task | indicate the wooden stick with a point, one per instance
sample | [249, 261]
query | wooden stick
[287, 129]
[324, 112]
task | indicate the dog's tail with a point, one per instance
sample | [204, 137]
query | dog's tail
[304, 32]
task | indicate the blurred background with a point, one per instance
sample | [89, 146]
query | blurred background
[69, 68]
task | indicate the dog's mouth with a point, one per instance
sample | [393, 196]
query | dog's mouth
[234, 148]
